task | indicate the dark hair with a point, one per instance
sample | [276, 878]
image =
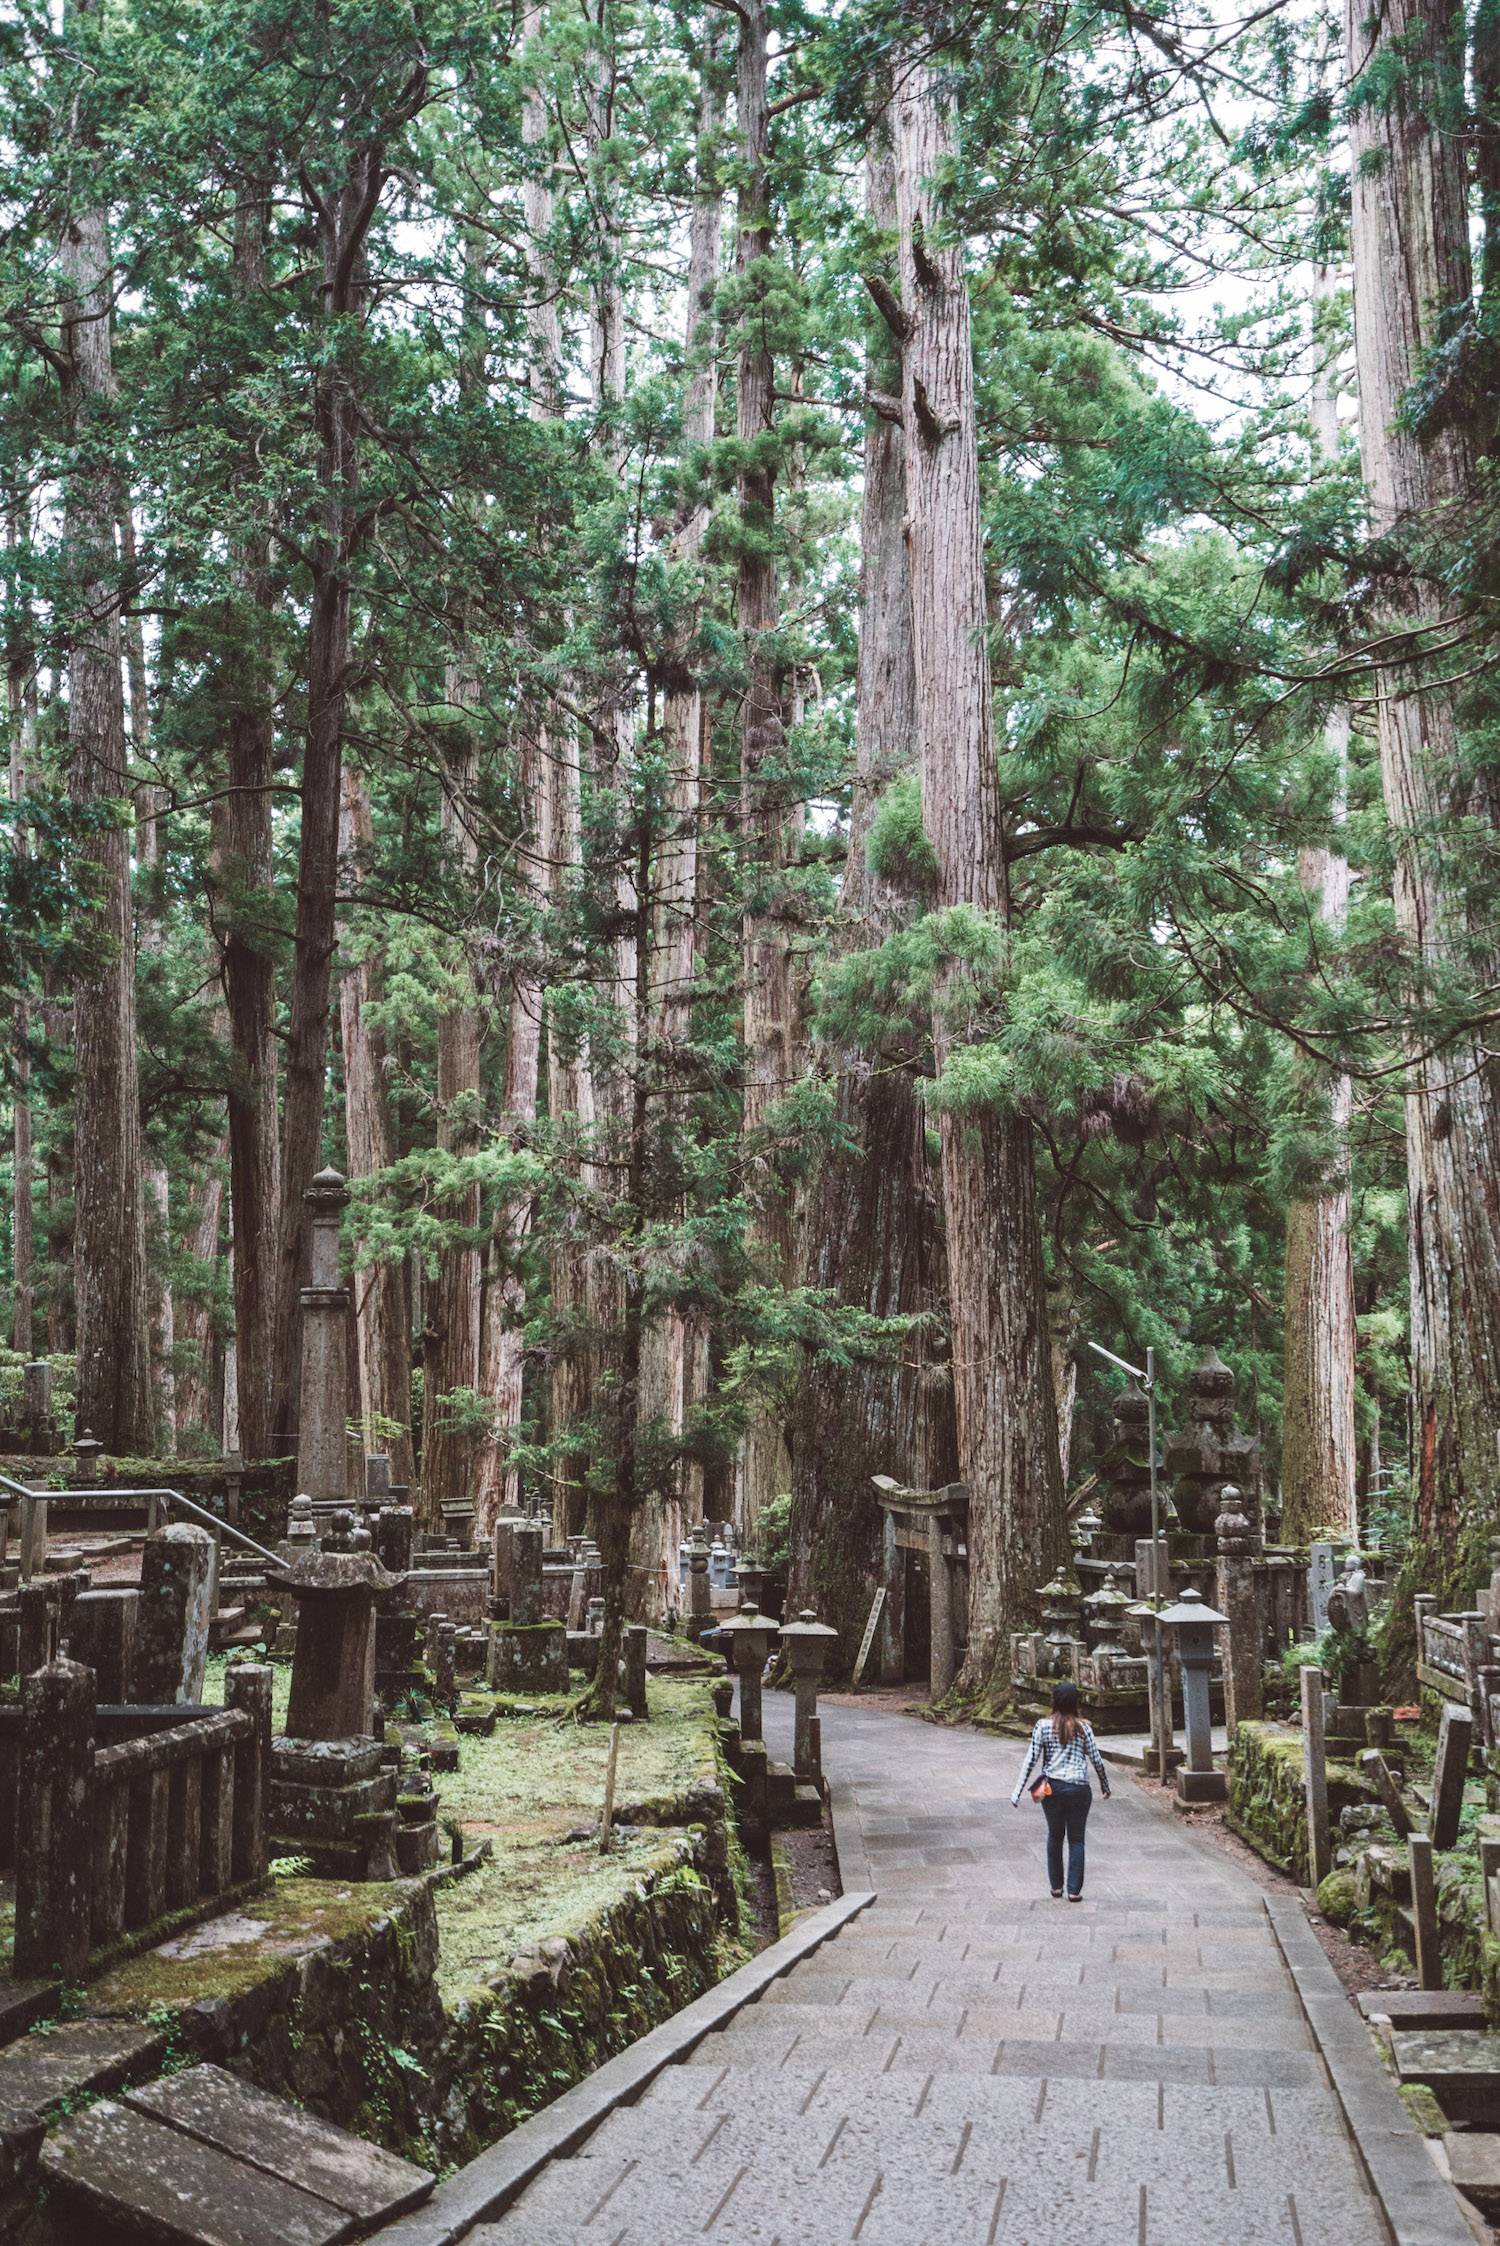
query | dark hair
[1066, 1721]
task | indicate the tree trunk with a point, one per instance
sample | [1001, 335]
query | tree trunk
[344, 215]
[873, 1232]
[242, 872]
[198, 1405]
[671, 1359]
[1411, 267]
[382, 1322]
[1006, 1408]
[1317, 1445]
[497, 1480]
[149, 800]
[764, 1467]
[109, 1266]
[20, 684]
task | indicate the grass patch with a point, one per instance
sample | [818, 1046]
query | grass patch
[281, 1687]
[524, 1789]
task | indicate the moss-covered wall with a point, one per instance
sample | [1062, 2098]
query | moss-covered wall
[1267, 1796]
[333, 1995]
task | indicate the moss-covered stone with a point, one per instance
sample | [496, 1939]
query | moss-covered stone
[1337, 1898]
[1268, 1798]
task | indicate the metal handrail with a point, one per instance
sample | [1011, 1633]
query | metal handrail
[176, 1497]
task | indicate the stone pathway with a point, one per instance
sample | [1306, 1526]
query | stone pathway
[969, 2063]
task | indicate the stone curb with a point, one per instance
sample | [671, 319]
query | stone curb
[1420, 2207]
[849, 1842]
[488, 2185]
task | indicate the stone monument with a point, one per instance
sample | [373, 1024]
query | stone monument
[322, 1443]
[527, 1652]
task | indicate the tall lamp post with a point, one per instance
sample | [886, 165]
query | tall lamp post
[1147, 1379]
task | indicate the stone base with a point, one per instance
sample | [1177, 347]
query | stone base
[527, 1659]
[334, 1802]
[416, 1848]
[1198, 1786]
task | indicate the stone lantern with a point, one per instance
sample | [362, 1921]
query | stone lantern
[808, 1643]
[1192, 1623]
[86, 1451]
[333, 1669]
[1106, 1610]
[750, 1634]
[1059, 1601]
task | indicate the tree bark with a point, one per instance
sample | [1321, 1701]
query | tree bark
[149, 800]
[1006, 1408]
[20, 687]
[242, 873]
[873, 1229]
[199, 1410]
[382, 1319]
[497, 1480]
[344, 213]
[1317, 1444]
[672, 1361]
[1411, 268]
[115, 1395]
[764, 1467]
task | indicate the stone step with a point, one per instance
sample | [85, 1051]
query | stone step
[56, 2067]
[1474, 2166]
[1423, 2008]
[1459, 2065]
[202, 2159]
[23, 2004]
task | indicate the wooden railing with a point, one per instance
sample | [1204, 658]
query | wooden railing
[111, 1840]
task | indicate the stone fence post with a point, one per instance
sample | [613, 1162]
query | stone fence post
[54, 1822]
[247, 1685]
[1244, 1697]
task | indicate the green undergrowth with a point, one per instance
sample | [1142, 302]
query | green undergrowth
[282, 1920]
[281, 1687]
[532, 1782]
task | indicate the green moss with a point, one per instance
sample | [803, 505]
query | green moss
[1337, 1899]
[294, 1913]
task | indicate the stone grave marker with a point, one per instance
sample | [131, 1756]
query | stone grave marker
[1455, 1733]
[1319, 1585]
[175, 1614]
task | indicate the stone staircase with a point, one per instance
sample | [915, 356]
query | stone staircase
[202, 2159]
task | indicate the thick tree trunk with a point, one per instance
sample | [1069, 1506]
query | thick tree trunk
[497, 1480]
[199, 1408]
[451, 1330]
[148, 849]
[1317, 1444]
[1006, 1409]
[1411, 267]
[242, 865]
[382, 1320]
[20, 686]
[672, 1362]
[109, 1266]
[873, 1230]
[764, 1467]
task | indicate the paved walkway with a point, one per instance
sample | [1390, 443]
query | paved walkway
[969, 2063]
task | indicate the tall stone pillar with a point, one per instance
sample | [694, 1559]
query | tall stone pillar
[1244, 1695]
[940, 1602]
[322, 1448]
[175, 1616]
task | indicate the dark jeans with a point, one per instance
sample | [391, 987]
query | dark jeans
[1066, 1810]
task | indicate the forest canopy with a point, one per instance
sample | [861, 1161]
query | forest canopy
[816, 686]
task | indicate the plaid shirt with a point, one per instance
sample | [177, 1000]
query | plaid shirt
[1067, 1766]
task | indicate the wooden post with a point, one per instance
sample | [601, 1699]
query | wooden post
[606, 1826]
[1315, 1761]
[1424, 1911]
[1489, 1873]
[1381, 1776]
[1455, 1732]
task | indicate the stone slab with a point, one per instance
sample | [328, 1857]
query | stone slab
[1458, 2059]
[123, 2173]
[215, 2108]
[1423, 2008]
[79, 2058]
[1474, 2165]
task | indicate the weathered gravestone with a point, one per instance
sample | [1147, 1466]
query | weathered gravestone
[1455, 1735]
[527, 1652]
[1319, 1585]
[175, 1615]
[322, 1445]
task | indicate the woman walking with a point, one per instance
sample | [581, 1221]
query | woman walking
[1064, 1746]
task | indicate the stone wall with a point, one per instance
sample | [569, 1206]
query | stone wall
[342, 2010]
[1267, 1801]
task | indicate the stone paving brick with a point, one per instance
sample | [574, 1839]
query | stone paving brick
[971, 2064]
